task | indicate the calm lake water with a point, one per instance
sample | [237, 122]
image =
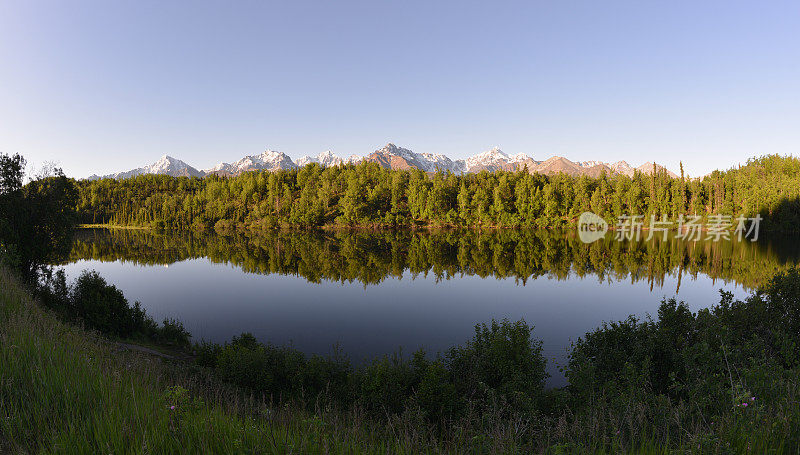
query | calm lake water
[372, 293]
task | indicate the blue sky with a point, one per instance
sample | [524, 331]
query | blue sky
[102, 86]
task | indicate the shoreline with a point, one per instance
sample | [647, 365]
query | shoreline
[377, 228]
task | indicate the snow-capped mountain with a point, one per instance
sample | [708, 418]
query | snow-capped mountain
[496, 160]
[490, 160]
[166, 165]
[519, 158]
[270, 160]
[393, 157]
[622, 167]
[436, 162]
[355, 159]
[325, 159]
[647, 168]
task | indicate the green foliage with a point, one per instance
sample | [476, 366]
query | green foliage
[733, 384]
[371, 256]
[367, 195]
[102, 307]
[714, 359]
[12, 170]
[264, 368]
[502, 362]
[63, 390]
[37, 219]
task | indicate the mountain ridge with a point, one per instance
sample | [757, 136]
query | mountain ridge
[394, 157]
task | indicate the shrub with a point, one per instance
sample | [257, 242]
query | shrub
[504, 359]
[271, 370]
[436, 393]
[172, 332]
[386, 384]
[103, 307]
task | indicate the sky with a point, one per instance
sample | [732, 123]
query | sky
[106, 86]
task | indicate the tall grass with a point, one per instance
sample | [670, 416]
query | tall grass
[67, 390]
[64, 389]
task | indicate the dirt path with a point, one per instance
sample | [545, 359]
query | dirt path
[136, 347]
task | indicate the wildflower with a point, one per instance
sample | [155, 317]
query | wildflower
[172, 408]
[753, 399]
[744, 404]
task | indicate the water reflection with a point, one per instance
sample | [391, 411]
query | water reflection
[371, 257]
[372, 292]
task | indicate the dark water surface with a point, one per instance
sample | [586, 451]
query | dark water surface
[373, 292]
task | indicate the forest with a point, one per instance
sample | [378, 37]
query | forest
[367, 195]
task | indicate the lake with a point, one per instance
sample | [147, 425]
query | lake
[371, 293]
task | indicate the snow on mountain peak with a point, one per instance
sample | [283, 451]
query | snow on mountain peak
[489, 159]
[394, 157]
[519, 157]
[326, 158]
[219, 167]
[622, 167]
[166, 165]
[270, 155]
[304, 160]
[393, 150]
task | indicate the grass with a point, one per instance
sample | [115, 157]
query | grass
[64, 389]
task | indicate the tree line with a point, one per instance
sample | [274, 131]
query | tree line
[367, 195]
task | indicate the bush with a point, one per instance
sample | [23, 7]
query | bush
[502, 359]
[436, 393]
[173, 332]
[386, 384]
[103, 307]
[701, 358]
[502, 362]
[275, 371]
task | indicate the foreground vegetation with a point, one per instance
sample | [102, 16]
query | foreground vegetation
[66, 390]
[369, 195]
[99, 306]
[723, 380]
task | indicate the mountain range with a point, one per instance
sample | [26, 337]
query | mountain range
[394, 157]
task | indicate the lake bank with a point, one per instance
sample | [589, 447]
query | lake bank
[70, 372]
[372, 293]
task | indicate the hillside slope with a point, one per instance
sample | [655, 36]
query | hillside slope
[66, 390]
